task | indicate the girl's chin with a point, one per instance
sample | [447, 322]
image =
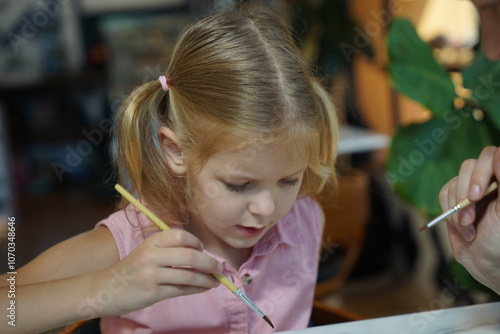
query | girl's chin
[242, 242]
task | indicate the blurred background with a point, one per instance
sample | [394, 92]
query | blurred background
[66, 65]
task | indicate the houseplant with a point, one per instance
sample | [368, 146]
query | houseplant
[424, 156]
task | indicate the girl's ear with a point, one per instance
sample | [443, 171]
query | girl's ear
[171, 149]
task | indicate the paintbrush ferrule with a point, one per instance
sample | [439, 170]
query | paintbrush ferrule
[441, 217]
[241, 295]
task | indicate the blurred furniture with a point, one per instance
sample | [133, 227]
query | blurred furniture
[344, 231]
[354, 139]
[343, 235]
[324, 314]
[57, 131]
[6, 192]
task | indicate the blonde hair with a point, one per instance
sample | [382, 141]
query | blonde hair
[233, 75]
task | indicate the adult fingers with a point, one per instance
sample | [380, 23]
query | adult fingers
[464, 179]
[496, 163]
[452, 199]
[482, 173]
[448, 198]
[467, 215]
[457, 241]
[444, 194]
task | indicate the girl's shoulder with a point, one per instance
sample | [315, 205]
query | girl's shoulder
[304, 221]
[306, 203]
[306, 208]
[129, 228]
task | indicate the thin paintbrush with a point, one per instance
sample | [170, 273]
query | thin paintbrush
[493, 186]
[223, 279]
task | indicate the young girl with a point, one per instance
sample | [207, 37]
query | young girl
[227, 148]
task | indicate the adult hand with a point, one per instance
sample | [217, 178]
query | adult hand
[474, 232]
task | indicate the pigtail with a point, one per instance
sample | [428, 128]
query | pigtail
[132, 126]
[142, 167]
[328, 137]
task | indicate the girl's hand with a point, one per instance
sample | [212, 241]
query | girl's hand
[167, 264]
[474, 232]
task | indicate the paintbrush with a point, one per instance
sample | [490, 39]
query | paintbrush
[466, 202]
[221, 278]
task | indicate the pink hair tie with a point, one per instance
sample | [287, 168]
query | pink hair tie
[163, 81]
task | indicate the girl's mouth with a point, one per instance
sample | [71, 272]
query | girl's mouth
[250, 232]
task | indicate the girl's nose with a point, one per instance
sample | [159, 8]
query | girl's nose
[262, 204]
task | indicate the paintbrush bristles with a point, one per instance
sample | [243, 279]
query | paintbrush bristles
[268, 321]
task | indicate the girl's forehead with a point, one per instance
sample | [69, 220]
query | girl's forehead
[289, 154]
[298, 142]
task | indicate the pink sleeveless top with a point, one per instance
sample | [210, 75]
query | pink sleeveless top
[279, 277]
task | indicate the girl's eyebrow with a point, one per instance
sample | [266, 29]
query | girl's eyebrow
[249, 178]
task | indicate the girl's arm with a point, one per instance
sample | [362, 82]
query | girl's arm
[45, 294]
[87, 252]
[82, 278]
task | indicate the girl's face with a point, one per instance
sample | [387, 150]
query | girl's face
[240, 194]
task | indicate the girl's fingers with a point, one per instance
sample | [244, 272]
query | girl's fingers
[186, 277]
[187, 257]
[176, 238]
[171, 291]
[179, 248]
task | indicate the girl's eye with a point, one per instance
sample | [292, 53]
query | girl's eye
[242, 187]
[236, 187]
[290, 183]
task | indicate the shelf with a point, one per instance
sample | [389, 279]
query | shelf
[6, 195]
[63, 81]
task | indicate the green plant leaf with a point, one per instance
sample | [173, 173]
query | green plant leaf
[482, 77]
[414, 71]
[425, 156]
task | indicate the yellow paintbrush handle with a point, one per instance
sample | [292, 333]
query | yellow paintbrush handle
[141, 207]
[226, 282]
